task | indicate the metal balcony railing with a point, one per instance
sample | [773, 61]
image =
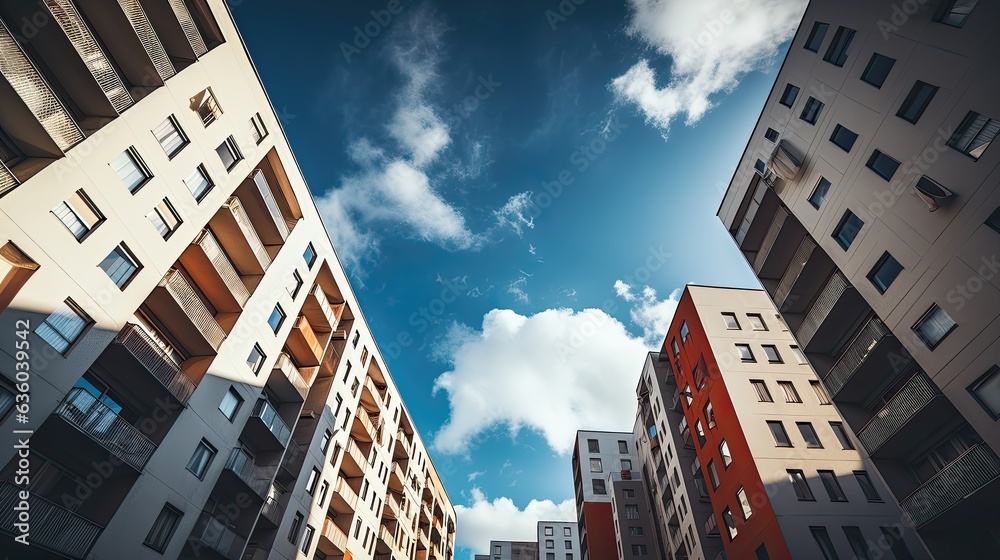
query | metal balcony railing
[918, 392]
[292, 373]
[271, 510]
[828, 297]
[243, 467]
[795, 268]
[971, 471]
[190, 28]
[272, 205]
[144, 30]
[210, 246]
[52, 527]
[772, 234]
[195, 309]
[268, 415]
[7, 179]
[103, 425]
[751, 214]
[618, 476]
[860, 348]
[235, 207]
[334, 534]
[215, 534]
[156, 361]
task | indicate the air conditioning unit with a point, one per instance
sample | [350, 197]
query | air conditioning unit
[932, 193]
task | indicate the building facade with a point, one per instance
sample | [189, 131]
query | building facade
[511, 550]
[866, 203]
[202, 380]
[558, 540]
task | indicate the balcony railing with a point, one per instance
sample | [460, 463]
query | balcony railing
[242, 465]
[711, 526]
[272, 205]
[344, 490]
[213, 533]
[971, 471]
[271, 510]
[7, 179]
[190, 28]
[769, 239]
[370, 385]
[157, 362]
[235, 207]
[362, 416]
[213, 251]
[255, 553]
[864, 343]
[287, 367]
[268, 415]
[103, 425]
[911, 399]
[52, 527]
[194, 308]
[403, 439]
[334, 534]
[144, 31]
[795, 268]
[618, 476]
[828, 297]
[356, 453]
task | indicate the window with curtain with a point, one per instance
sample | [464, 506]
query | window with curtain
[120, 266]
[130, 169]
[163, 528]
[934, 326]
[974, 134]
[63, 326]
[170, 136]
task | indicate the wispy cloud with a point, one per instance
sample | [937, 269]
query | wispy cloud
[512, 215]
[482, 519]
[516, 289]
[648, 312]
[475, 474]
[711, 45]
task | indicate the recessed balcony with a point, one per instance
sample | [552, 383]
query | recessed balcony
[397, 477]
[915, 409]
[178, 306]
[836, 310]
[333, 539]
[176, 29]
[362, 427]
[138, 357]
[235, 232]
[371, 397]
[265, 430]
[53, 528]
[318, 310]
[131, 40]
[212, 271]
[288, 381]
[345, 497]
[105, 427]
[355, 459]
[386, 541]
[305, 344]
[955, 483]
[865, 358]
[271, 511]
[401, 450]
[794, 270]
[241, 466]
[213, 534]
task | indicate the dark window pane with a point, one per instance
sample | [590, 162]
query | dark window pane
[883, 165]
[848, 229]
[974, 135]
[916, 101]
[789, 95]
[819, 194]
[955, 12]
[843, 138]
[810, 113]
[878, 69]
[816, 36]
[885, 272]
[840, 47]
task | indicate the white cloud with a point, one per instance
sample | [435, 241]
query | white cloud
[516, 289]
[512, 214]
[711, 45]
[475, 474]
[553, 373]
[483, 520]
[648, 312]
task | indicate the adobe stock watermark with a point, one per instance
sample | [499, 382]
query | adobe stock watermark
[964, 292]
[462, 110]
[563, 10]
[366, 33]
[899, 16]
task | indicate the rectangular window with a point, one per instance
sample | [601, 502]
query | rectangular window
[843, 137]
[229, 153]
[120, 266]
[809, 434]
[821, 395]
[595, 465]
[894, 536]
[199, 183]
[883, 165]
[550, 543]
[986, 391]
[627, 493]
[257, 129]
[713, 475]
[934, 326]
[164, 218]
[771, 135]
[163, 528]
[567, 531]
[788, 96]
[631, 512]
[684, 331]
[277, 318]
[761, 552]
[230, 404]
[307, 538]
[816, 36]
[954, 12]
[626, 464]
[819, 193]
[763, 395]
[810, 113]
[877, 70]
[824, 542]
[676, 348]
[324, 443]
[756, 321]
[131, 170]
[635, 531]
[884, 272]
[63, 326]
[639, 550]
[840, 46]
[295, 285]
[170, 136]
[79, 214]
[727, 518]
[208, 107]
[593, 446]
[741, 497]
[778, 433]
[791, 395]
[841, 433]
[771, 351]
[709, 414]
[801, 485]
[746, 355]
[255, 361]
[202, 458]
[309, 256]
[293, 530]
[916, 102]
[867, 487]
[599, 487]
[800, 356]
[847, 230]
[312, 481]
[858, 543]
[622, 446]
[974, 135]
[832, 486]
[727, 457]
[731, 322]
[549, 531]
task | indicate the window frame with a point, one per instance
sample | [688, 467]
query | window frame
[993, 371]
[878, 156]
[877, 57]
[173, 212]
[209, 183]
[789, 95]
[776, 359]
[89, 228]
[726, 454]
[234, 150]
[133, 156]
[840, 47]
[744, 501]
[967, 123]
[760, 319]
[258, 365]
[231, 391]
[129, 258]
[947, 9]
[257, 122]
[871, 492]
[924, 318]
[805, 430]
[811, 110]
[909, 105]
[172, 119]
[803, 492]
[771, 135]
[310, 256]
[840, 233]
[280, 311]
[764, 396]
[71, 305]
[873, 275]
[170, 509]
[832, 485]
[747, 358]
[212, 453]
[838, 131]
[816, 36]
[735, 325]
[772, 424]
[816, 191]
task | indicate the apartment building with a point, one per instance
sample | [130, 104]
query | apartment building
[785, 477]
[202, 380]
[558, 540]
[866, 202]
[511, 550]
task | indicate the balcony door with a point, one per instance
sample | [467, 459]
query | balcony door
[944, 453]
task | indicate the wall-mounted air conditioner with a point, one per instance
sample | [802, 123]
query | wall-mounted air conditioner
[932, 193]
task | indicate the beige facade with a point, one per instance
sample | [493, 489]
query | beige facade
[202, 380]
[872, 222]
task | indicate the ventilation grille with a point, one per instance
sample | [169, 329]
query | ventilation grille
[143, 29]
[189, 27]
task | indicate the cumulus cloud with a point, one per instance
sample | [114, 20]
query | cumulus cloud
[483, 520]
[552, 373]
[711, 45]
[648, 312]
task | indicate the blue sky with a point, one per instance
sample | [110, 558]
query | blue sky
[517, 189]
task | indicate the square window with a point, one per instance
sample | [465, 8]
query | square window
[549, 531]
[847, 230]
[230, 404]
[756, 321]
[165, 219]
[821, 395]
[986, 390]
[229, 153]
[255, 361]
[163, 528]
[800, 356]
[202, 458]
[771, 135]
[131, 170]
[199, 183]
[832, 486]
[801, 486]
[727, 457]
[626, 464]
[257, 129]
[843, 137]
[825, 543]
[120, 266]
[788, 389]
[763, 395]
[731, 322]
[309, 256]
[550, 543]
[79, 214]
[567, 531]
[746, 510]
[595, 465]
[277, 318]
[877, 70]
[867, 487]
[883, 165]
[170, 136]
[916, 102]
[63, 326]
[955, 12]
[809, 434]
[627, 493]
[816, 36]
[746, 355]
[631, 512]
[934, 326]
[789, 95]
[760, 167]
[778, 433]
[599, 487]
[771, 351]
[840, 46]
[810, 113]
[974, 135]
[841, 433]
[884, 272]
[819, 193]
[727, 518]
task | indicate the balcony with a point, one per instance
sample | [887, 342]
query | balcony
[236, 233]
[355, 460]
[392, 508]
[363, 429]
[972, 470]
[104, 426]
[288, 382]
[334, 537]
[214, 534]
[821, 307]
[372, 397]
[243, 468]
[53, 528]
[671, 511]
[794, 271]
[769, 239]
[345, 498]
[403, 446]
[256, 553]
[397, 477]
[7, 179]
[212, 271]
[304, 344]
[911, 401]
[865, 352]
[265, 429]
[711, 526]
[271, 511]
[386, 540]
[141, 348]
[264, 189]
[189, 27]
[176, 303]
[318, 310]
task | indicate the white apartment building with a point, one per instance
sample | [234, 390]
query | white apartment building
[558, 540]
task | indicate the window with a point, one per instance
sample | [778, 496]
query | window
[307, 538]
[771, 135]
[567, 531]
[974, 135]
[628, 493]
[313, 480]
[257, 129]
[821, 395]
[164, 218]
[877, 70]
[593, 446]
[761, 552]
[858, 544]
[631, 511]
[208, 107]
[800, 356]
[700, 430]
[170, 136]
[819, 193]
[741, 496]
[310, 256]
[120, 266]
[883, 165]
[894, 537]
[324, 443]
[809, 434]
[727, 457]
[727, 518]
[789, 95]
[277, 318]
[635, 531]
[731, 322]
[203, 454]
[63, 326]
[599, 487]
[810, 113]
[674, 347]
[364, 355]
[255, 361]
[816, 36]
[622, 446]
[684, 331]
[955, 12]
[131, 170]
[688, 398]
[843, 137]
[791, 395]
[295, 285]
[709, 414]
[763, 395]
[756, 321]
[779, 433]
[713, 475]
[79, 214]
[293, 531]
[230, 404]
[199, 183]
[626, 464]
[595, 465]
[832, 486]
[840, 47]
[229, 153]
[847, 229]
[986, 391]
[801, 486]
[549, 531]
[771, 351]
[163, 528]
[934, 326]
[496, 548]
[867, 487]
[746, 355]
[884, 272]
[550, 543]
[916, 101]
[824, 542]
